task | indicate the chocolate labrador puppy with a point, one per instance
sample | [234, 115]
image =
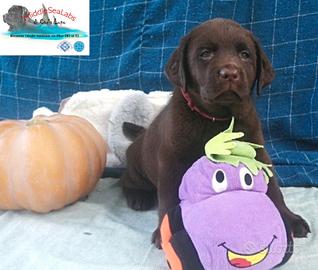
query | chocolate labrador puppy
[214, 70]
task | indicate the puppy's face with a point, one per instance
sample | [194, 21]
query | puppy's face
[222, 60]
[219, 62]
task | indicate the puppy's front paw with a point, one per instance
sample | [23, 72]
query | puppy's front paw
[140, 200]
[156, 238]
[299, 226]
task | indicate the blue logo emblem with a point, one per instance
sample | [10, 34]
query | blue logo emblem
[64, 46]
[79, 46]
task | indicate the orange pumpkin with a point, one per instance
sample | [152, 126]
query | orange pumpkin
[48, 161]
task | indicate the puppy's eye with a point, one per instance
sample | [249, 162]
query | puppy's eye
[219, 181]
[245, 54]
[246, 179]
[206, 54]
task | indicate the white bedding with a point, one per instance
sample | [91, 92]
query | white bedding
[102, 233]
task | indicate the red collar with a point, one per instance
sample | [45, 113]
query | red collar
[195, 108]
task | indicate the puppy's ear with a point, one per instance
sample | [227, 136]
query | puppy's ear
[264, 70]
[176, 67]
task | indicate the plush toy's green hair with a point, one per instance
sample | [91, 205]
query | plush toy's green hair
[224, 148]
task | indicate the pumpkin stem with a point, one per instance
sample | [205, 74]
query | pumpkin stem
[36, 121]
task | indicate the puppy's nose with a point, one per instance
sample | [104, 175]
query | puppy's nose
[229, 73]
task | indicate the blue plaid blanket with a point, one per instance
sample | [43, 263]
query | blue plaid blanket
[131, 41]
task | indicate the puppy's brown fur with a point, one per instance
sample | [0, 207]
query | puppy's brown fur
[218, 64]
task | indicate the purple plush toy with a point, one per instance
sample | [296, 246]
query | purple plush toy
[225, 219]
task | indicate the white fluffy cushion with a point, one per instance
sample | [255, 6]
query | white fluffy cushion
[106, 110]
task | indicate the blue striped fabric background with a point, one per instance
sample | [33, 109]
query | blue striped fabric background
[131, 41]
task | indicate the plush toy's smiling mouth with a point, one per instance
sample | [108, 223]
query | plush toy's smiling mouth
[247, 260]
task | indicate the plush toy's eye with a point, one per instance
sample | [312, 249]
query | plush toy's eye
[246, 178]
[219, 181]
